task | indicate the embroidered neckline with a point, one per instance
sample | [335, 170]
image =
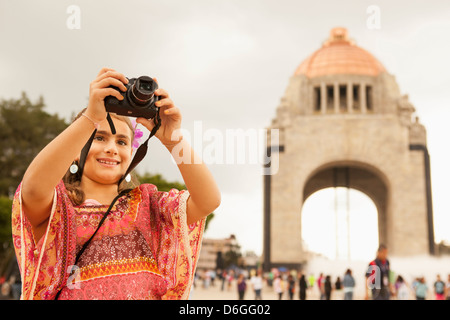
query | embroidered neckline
[91, 202]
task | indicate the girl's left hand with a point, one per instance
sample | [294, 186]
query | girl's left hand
[169, 133]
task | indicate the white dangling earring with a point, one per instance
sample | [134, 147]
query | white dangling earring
[128, 178]
[73, 168]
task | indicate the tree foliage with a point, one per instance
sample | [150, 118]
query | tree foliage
[5, 220]
[25, 130]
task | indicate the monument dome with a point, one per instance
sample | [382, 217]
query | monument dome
[340, 55]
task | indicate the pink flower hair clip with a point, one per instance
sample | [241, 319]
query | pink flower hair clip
[138, 134]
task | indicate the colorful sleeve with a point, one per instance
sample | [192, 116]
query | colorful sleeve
[178, 244]
[43, 265]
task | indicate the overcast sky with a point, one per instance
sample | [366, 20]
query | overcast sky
[226, 64]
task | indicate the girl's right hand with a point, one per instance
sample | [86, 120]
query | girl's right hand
[99, 89]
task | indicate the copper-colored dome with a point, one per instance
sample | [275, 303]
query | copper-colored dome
[339, 55]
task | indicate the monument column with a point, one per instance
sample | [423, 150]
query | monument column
[323, 98]
[336, 97]
[349, 97]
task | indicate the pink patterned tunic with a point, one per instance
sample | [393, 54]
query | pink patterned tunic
[144, 249]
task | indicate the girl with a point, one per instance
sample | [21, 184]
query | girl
[278, 286]
[241, 286]
[148, 245]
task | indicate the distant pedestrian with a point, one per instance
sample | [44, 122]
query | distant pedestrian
[338, 287]
[401, 289]
[270, 278]
[439, 288]
[377, 276]
[302, 285]
[327, 287]
[224, 279]
[320, 286]
[206, 278]
[278, 286]
[213, 277]
[257, 283]
[311, 280]
[421, 289]
[241, 286]
[349, 285]
[447, 288]
[16, 288]
[230, 278]
[291, 286]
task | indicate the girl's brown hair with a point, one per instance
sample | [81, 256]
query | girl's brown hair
[72, 181]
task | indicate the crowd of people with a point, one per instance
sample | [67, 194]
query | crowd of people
[286, 284]
[292, 285]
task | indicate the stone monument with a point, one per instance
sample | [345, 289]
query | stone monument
[344, 123]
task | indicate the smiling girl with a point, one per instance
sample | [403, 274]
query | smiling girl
[148, 244]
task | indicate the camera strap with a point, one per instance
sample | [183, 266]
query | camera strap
[142, 150]
[111, 123]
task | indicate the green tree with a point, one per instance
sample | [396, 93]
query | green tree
[25, 130]
[233, 256]
[5, 220]
[164, 185]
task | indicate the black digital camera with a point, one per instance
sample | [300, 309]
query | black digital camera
[139, 99]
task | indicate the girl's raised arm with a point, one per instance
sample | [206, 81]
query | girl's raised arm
[50, 165]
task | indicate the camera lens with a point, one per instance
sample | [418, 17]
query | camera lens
[145, 86]
[143, 89]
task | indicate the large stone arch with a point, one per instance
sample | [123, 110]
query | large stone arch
[355, 175]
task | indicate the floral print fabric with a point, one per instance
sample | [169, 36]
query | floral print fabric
[144, 249]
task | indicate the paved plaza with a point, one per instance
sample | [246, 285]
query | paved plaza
[216, 293]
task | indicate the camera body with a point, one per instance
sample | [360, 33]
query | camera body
[139, 99]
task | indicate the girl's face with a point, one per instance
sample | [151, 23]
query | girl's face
[109, 155]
